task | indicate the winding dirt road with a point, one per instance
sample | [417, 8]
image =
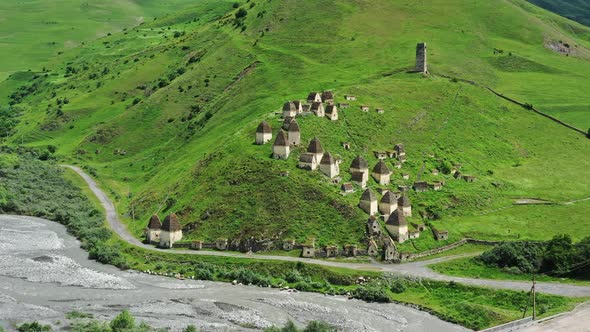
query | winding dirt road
[415, 269]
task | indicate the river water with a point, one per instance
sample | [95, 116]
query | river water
[44, 275]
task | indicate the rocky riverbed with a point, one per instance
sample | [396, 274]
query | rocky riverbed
[44, 275]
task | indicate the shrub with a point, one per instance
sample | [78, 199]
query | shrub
[524, 256]
[236, 5]
[241, 13]
[313, 326]
[398, 286]
[293, 276]
[190, 328]
[78, 315]
[122, 322]
[33, 327]
[559, 256]
[371, 294]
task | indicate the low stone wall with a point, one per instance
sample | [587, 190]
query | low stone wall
[512, 326]
[539, 112]
[410, 256]
[341, 252]
[484, 242]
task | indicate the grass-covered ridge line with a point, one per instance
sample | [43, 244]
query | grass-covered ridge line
[577, 10]
[452, 302]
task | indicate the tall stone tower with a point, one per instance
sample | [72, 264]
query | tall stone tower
[421, 61]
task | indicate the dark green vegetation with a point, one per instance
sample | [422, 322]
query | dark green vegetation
[311, 327]
[163, 115]
[577, 10]
[558, 260]
[82, 322]
[462, 304]
[30, 186]
[558, 257]
[34, 327]
[125, 322]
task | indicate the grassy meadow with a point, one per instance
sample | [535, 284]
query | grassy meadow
[33, 32]
[163, 114]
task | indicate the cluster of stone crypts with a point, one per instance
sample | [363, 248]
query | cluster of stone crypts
[393, 207]
[281, 148]
[163, 234]
[315, 157]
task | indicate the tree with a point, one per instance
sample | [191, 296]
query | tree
[559, 255]
[241, 13]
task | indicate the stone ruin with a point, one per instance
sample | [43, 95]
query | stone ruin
[421, 60]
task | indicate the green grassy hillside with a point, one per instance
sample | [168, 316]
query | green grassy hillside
[33, 31]
[577, 10]
[182, 96]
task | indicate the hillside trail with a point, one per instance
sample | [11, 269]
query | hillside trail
[414, 269]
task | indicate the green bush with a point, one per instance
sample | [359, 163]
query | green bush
[313, 326]
[398, 286]
[241, 13]
[371, 293]
[190, 328]
[246, 277]
[124, 321]
[293, 276]
[33, 327]
[78, 315]
[525, 256]
[91, 326]
[559, 256]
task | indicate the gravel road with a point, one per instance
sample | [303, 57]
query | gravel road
[415, 269]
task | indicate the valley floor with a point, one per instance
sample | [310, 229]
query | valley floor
[416, 269]
[46, 281]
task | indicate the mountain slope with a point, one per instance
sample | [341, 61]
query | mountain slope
[576, 10]
[33, 31]
[182, 95]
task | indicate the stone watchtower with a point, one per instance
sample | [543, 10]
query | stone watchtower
[421, 61]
